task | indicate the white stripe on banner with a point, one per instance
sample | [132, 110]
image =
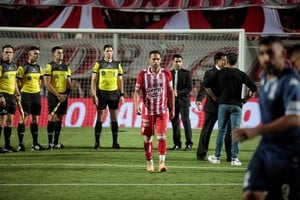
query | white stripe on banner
[86, 17]
[272, 21]
[178, 21]
[62, 18]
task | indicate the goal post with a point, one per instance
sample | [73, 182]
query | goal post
[83, 47]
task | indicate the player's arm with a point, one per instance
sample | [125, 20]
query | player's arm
[136, 95]
[136, 101]
[171, 99]
[19, 77]
[208, 81]
[121, 88]
[50, 88]
[94, 82]
[279, 125]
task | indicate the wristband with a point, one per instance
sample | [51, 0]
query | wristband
[122, 94]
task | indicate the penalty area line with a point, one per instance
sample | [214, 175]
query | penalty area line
[115, 165]
[118, 184]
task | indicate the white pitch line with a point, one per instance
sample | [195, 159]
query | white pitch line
[115, 165]
[119, 184]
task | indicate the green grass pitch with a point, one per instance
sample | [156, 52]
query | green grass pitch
[80, 172]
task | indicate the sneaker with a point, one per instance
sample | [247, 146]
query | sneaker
[150, 168]
[59, 146]
[213, 159]
[188, 147]
[236, 162]
[97, 146]
[50, 146]
[162, 167]
[37, 147]
[116, 146]
[10, 149]
[21, 147]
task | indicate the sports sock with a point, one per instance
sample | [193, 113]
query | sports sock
[162, 146]
[7, 135]
[34, 132]
[148, 150]
[57, 130]
[50, 130]
[98, 129]
[114, 130]
[21, 131]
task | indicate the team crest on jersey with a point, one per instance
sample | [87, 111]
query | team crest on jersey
[103, 73]
[29, 78]
[56, 76]
[7, 76]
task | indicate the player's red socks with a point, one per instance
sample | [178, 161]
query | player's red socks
[162, 146]
[148, 150]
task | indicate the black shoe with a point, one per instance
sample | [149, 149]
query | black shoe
[59, 146]
[37, 147]
[228, 159]
[21, 147]
[175, 147]
[97, 146]
[116, 146]
[3, 150]
[10, 149]
[200, 159]
[50, 146]
[188, 147]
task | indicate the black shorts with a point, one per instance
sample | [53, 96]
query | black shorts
[108, 98]
[31, 103]
[10, 107]
[52, 103]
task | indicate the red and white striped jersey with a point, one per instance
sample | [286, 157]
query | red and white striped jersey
[154, 87]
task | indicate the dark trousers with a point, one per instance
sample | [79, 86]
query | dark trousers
[209, 122]
[184, 112]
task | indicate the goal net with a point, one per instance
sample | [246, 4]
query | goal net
[131, 47]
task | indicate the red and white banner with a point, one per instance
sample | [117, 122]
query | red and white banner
[155, 4]
[82, 113]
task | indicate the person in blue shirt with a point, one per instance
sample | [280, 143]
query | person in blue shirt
[274, 170]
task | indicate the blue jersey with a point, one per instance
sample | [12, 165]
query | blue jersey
[278, 97]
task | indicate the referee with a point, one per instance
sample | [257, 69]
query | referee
[57, 78]
[8, 94]
[107, 90]
[29, 77]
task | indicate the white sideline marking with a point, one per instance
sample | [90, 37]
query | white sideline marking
[119, 184]
[120, 166]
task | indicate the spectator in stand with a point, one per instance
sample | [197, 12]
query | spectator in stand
[182, 86]
[230, 81]
[57, 79]
[107, 90]
[211, 111]
[8, 94]
[295, 57]
[154, 84]
[29, 77]
[274, 170]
